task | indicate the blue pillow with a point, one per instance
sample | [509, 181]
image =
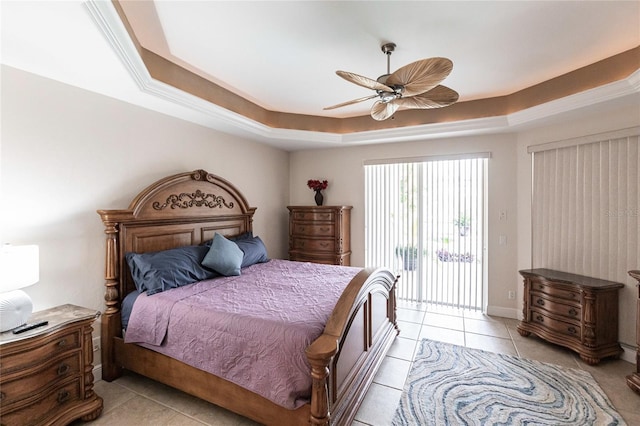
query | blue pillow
[158, 271]
[224, 256]
[254, 251]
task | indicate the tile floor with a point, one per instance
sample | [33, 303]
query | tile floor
[135, 400]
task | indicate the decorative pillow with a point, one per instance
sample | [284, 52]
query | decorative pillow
[224, 256]
[158, 271]
[254, 251]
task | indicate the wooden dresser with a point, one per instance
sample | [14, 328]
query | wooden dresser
[578, 312]
[633, 380]
[46, 374]
[320, 234]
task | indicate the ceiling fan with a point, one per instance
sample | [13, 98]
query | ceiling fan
[414, 86]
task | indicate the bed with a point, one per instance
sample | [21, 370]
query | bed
[188, 209]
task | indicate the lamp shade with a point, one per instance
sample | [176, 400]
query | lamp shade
[19, 267]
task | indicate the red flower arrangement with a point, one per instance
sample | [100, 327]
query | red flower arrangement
[317, 185]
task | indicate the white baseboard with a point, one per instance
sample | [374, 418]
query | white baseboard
[500, 311]
[97, 372]
[629, 353]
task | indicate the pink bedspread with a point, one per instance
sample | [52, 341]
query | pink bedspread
[251, 330]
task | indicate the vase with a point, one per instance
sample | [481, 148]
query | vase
[319, 198]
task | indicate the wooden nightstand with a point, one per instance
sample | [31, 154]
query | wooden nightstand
[46, 374]
[578, 312]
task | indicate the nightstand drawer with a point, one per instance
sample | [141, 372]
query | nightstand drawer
[556, 291]
[541, 300]
[38, 411]
[314, 244]
[26, 384]
[47, 348]
[562, 327]
[318, 229]
[313, 216]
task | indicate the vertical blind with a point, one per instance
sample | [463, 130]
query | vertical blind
[424, 219]
[585, 207]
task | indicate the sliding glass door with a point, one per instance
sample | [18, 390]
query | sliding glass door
[425, 219]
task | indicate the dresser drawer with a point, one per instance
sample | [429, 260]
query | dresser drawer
[308, 244]
[327, 259]
[39, 410]
[543, 301]
[316, 229]
[29, 383]
[49, 347]
[556, 291]
[561, 327]
[313, 216]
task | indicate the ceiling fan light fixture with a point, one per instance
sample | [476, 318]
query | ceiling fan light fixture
[387, 97]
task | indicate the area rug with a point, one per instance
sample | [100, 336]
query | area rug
[454, 385]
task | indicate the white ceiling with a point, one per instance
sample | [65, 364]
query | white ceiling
[283, 55]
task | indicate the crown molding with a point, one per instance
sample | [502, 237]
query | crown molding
[211, 115]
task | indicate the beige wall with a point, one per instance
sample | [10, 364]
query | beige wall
[67, 152]
[344, 169]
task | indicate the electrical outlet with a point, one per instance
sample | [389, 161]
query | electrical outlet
[512, 295]
[96, 344]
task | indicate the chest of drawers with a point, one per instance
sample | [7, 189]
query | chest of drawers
[46, 374]
[578, 312]
[320, 234]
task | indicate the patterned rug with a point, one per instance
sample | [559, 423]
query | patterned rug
[454, 385]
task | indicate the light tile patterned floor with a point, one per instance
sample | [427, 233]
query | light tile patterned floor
[135, 400]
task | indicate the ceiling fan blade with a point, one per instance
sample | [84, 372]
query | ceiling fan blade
[421, 76]
[363, 81]
[381, 111]
[438, 97]
[355, 101]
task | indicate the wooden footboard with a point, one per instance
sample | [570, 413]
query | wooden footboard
[187, 209]
[356, 338]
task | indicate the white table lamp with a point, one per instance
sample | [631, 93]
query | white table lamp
[19, 268]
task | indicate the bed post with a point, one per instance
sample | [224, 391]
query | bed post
[319, 354]
[110, 321]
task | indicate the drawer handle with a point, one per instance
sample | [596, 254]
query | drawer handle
[302, 229]
[324, 244]
[2, 396]
[63, 369]
[539, 318]
[572, 330]
[63, 396]
[62, 343]
[301, 243]
[540, 302]
[325, 229]
[573, 312]
[325, 216]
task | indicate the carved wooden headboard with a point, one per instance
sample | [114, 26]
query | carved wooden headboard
[179, 210]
